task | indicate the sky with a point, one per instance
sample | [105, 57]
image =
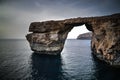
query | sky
[16, 15]
[76, 31]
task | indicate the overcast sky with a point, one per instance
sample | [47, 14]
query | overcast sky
[16, 15]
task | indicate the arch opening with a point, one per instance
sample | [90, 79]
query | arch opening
[76, 31]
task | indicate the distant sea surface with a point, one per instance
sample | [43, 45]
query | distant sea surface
[18, 62]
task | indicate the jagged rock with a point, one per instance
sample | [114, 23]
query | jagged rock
[85, 36]
[48, 37]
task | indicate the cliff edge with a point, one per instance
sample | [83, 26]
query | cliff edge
[85, 36]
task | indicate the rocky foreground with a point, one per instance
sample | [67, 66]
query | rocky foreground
[48, 37]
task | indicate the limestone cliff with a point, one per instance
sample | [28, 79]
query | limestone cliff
[48, 37]
[85, 36]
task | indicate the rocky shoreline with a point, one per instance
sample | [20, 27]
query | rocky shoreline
[85, 36]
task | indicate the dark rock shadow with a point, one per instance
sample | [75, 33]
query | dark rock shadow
[104, 71]
[47, 67]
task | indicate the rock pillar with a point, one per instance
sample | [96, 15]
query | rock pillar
[48, 37]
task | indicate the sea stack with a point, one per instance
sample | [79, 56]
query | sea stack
[48, 37]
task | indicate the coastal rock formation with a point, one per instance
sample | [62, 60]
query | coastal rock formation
[85, 36]
[48, 37]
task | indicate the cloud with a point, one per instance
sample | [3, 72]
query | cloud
[16, 15]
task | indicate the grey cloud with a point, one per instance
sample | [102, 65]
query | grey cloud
[103, 6]
[16, 15]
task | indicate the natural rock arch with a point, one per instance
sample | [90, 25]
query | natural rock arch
[49, 37]
[79, 31]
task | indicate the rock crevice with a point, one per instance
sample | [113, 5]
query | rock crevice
[48, 37]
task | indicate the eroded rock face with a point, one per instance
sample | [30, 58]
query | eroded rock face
[48, 37]
[106, 42]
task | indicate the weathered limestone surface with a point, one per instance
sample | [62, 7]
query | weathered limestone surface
[48, 37]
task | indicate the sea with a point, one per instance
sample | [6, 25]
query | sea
[76, 62]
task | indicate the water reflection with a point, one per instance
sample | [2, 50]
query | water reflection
[104, 71]
[52, 68]
[47, 67]
[75, 63]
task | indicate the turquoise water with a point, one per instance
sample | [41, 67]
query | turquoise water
[18, 62]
